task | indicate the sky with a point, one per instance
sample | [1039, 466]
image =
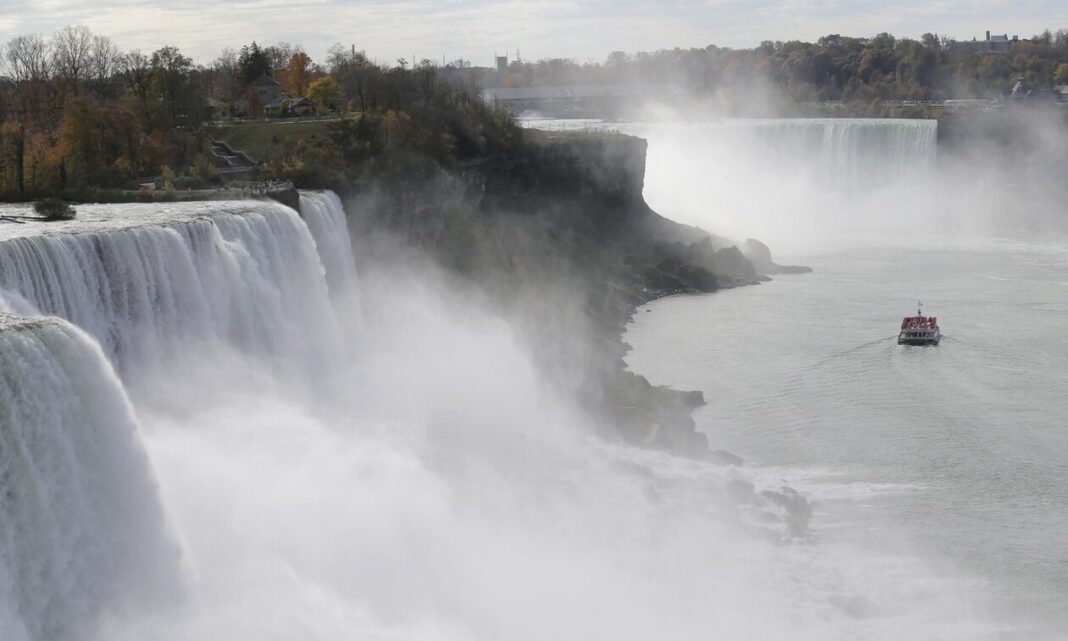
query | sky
[476, 29]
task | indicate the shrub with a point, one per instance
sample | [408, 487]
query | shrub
[54, 209]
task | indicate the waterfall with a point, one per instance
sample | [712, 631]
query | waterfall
[848, 155]
[794, 182]
[236, 274]
[325, 216]
[81, 528]
[135, 289]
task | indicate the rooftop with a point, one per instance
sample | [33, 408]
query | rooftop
[265, 81]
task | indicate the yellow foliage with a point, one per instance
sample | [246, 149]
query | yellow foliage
[326, 92]
[1060, 74]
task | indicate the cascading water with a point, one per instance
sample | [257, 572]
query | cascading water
[81, 528]
[234, 274]
[325, 217]
[848, 156]
[82, 534]
[433, 487]
[794, 183]
[798, 183]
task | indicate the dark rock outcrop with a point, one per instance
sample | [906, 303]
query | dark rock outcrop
[797, 512]
[760, 256]
[559, 238]
[734, 269]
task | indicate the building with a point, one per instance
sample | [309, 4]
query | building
[992, 45]
[1024, 92]
[502, 62]
[301, 107]
[269, 94]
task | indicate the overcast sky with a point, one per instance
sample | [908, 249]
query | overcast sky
[474, 29]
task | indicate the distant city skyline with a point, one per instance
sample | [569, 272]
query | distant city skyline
[475, 30]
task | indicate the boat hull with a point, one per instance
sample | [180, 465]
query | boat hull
[927, 340]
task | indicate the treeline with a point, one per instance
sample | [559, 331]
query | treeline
[77, 114]
[411, 121]
[835, 68]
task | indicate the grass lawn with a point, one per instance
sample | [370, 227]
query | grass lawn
[257, 139]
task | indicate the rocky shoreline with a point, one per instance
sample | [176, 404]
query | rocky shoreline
[561, 241]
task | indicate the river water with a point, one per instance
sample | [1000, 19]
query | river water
[953, 457]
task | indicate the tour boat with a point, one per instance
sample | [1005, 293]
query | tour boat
[919, 329]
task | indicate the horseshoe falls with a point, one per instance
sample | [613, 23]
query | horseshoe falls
[214, 427]
[799, 182]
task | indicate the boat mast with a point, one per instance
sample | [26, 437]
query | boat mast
[919, 308]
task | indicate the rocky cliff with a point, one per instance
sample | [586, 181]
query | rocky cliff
[560, 239]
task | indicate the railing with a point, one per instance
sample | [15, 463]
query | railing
[262, 188]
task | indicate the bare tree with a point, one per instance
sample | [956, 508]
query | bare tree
[227, 71]
[103, 63]
[134, 68]
[72, 53]
[28, 59]
[1060, 39]
[279, 55]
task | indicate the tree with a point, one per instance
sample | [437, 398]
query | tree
[1060, 74]
[78, 143]
[28, 58]
[931, 41]
[30, 64]
[72, 54]
[104, 61]
[169, 73]
[54, 209]
[278, 56]
[340, 58]
[253, 63]
[295, 77]
[326, 92]
[134, 68]
[227, 72]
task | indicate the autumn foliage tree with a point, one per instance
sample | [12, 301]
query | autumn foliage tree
[297, 75]
[79, 114]
[326, 92]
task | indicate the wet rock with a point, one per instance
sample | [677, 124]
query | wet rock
[798, 511]
[693, 399]
[760, 256]
[734, 269]
[677, 433]
[723, 457]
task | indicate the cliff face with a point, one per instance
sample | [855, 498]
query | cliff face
[560, 239]
[589, 183]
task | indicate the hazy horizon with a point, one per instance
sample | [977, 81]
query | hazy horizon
[586, 31]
